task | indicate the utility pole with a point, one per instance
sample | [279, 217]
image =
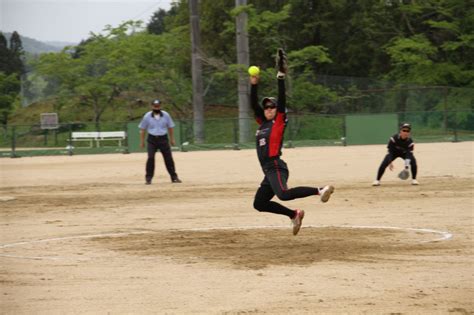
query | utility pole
[243, 60]
[198, 103]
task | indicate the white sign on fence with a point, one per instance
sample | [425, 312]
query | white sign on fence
[49, 121]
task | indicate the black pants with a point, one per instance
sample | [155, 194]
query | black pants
[390, 157]
[155, 143]
[274, 183]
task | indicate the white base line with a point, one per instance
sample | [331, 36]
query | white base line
[444, 235]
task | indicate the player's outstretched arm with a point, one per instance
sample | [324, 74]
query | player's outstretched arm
[281, 63]
[282, 67]
[258, 111]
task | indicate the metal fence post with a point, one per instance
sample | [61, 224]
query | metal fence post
[126, 149]
[445, 114]
[13, 153]
[69, 147]
[181, 136]
[236, 134]
[455, 127]
[344, 130]
[46, 131]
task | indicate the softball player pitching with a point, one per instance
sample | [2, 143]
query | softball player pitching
[272, 119]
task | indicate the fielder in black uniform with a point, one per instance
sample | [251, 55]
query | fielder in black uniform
[272, 120]
[399, 146]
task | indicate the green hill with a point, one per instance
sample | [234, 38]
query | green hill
[36, 47]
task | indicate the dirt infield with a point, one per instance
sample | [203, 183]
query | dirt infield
[83, 234]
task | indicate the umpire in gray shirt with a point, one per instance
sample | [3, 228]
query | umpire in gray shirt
[158, 124]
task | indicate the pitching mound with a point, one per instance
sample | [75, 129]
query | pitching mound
[260, 248]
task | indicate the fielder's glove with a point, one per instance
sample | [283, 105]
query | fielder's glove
[404, 174]
[281, 63]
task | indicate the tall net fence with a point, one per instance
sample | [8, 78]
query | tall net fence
[32, 140]
[320, 94]
[333, 95]
[323, 110]
[302, 130]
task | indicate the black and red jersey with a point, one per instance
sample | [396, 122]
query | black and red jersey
[269, 136]
[396, 145]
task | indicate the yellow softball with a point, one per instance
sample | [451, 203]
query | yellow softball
[254, 71]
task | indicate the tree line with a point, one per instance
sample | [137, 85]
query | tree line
[11, 69]
[403, 42]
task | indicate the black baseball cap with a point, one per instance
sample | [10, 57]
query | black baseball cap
[156, 102]
[271, 100]
[405, 126]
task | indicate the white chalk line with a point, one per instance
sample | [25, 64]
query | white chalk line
[34, 257]
[54, 239]
[444, 235]
[71, 237]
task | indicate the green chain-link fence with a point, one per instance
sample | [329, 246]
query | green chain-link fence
[302, 130]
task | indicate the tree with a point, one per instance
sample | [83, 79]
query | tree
[11, 68]
[97, 75]
[157, 22]
[268, 28]
[79, 49]
[16, 51]
[9, 89]
[16, 46]
[417, 42]
[110, 64]
[309, 96]
[433, 44]
[5, 55]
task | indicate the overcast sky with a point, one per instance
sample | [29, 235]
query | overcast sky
[72, 20]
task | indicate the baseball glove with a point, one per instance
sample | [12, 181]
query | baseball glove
[404, 174]
[281, 63]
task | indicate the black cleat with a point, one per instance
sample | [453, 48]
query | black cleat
[148, 182]
[176, 180]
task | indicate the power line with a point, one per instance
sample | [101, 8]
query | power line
[155, 5]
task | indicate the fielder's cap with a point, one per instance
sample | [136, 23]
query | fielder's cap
[405, 126]
[269, 100]
[156, 102]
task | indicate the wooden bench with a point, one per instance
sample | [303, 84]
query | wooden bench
[99, 136]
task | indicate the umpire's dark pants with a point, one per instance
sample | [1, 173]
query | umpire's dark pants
[155, 143]
[274, 183]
